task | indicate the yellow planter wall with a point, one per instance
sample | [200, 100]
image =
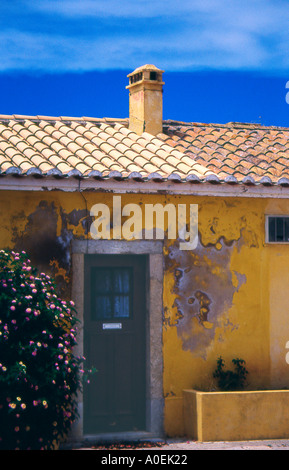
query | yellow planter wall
[236, 416]
[227, 297]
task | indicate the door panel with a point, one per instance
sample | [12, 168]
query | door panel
[114, 343]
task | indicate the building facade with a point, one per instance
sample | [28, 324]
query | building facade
[155, 314]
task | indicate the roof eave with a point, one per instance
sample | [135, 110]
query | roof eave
[192, 187]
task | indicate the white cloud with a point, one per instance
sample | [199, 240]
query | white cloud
[57, 53]
[254, 13]
[124, 9]
[248, 34]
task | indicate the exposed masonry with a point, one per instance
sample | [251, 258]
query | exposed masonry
[102, 149]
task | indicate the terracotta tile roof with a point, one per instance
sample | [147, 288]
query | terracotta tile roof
[106, 148]
[248, 153]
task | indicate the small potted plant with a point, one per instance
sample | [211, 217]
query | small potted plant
[228, 379]
[233, 413]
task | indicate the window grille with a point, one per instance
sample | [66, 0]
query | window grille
[277, 229]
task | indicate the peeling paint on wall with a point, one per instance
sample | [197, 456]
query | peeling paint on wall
[39, 237]
[46, 235]
[203, 290]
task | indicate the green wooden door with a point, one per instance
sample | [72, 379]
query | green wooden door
[114, 343]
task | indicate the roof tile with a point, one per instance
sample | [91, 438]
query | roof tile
[188, 151]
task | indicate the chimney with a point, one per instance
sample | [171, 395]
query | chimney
[146, 100]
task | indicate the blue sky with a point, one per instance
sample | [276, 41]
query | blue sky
[224, 60]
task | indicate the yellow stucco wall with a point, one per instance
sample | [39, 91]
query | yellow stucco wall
[212, 416]
[227, 297]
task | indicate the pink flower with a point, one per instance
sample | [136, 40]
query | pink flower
[28, 310]
[12, 307]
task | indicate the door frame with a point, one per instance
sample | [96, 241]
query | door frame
[154, 314]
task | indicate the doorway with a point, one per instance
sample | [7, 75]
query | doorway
[115, 343]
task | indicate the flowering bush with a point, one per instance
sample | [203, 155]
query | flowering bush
[39, 375]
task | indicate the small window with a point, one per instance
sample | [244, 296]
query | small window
[111, 293]
[277, 229]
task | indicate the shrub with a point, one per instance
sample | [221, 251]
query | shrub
[39, 375]
[230, 380]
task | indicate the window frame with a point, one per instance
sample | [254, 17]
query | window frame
[267, 241]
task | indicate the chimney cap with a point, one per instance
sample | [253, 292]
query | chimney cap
[146, 74]
[149, 67]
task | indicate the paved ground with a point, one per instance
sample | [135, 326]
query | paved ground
[246, 445]
[179, 445]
